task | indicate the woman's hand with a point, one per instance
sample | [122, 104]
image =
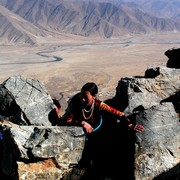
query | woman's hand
[58, 111]
[87, 127]
[137, 128]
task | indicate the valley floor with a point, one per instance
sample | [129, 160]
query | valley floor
[65, 66]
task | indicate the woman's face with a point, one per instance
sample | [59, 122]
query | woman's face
[86, 98]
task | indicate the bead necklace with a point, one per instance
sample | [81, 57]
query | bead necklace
[88, 111]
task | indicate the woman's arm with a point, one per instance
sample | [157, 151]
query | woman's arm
[104, 107]
[117, 113]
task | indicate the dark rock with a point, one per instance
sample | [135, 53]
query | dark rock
[8, 106]
[174, 58]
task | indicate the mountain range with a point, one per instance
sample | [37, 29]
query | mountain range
[32, 22]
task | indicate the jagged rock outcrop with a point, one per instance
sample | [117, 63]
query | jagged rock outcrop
[31, 97]
[155, 87]
[28, 146]
[28, 140]
[44, 151]
[149, 100]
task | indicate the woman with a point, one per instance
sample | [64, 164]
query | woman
[85, 110]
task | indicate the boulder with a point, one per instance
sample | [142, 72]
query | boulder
[157, 148]
[154, 102]
[155, 87]
[29, 99]
[174, 58]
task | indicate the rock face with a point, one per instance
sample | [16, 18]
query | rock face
[31, 148]
[39, 145]
[32, 98]
[158, 150]
[157, 86]
[155, 102]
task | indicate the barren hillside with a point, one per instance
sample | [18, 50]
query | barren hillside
[29, 21]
